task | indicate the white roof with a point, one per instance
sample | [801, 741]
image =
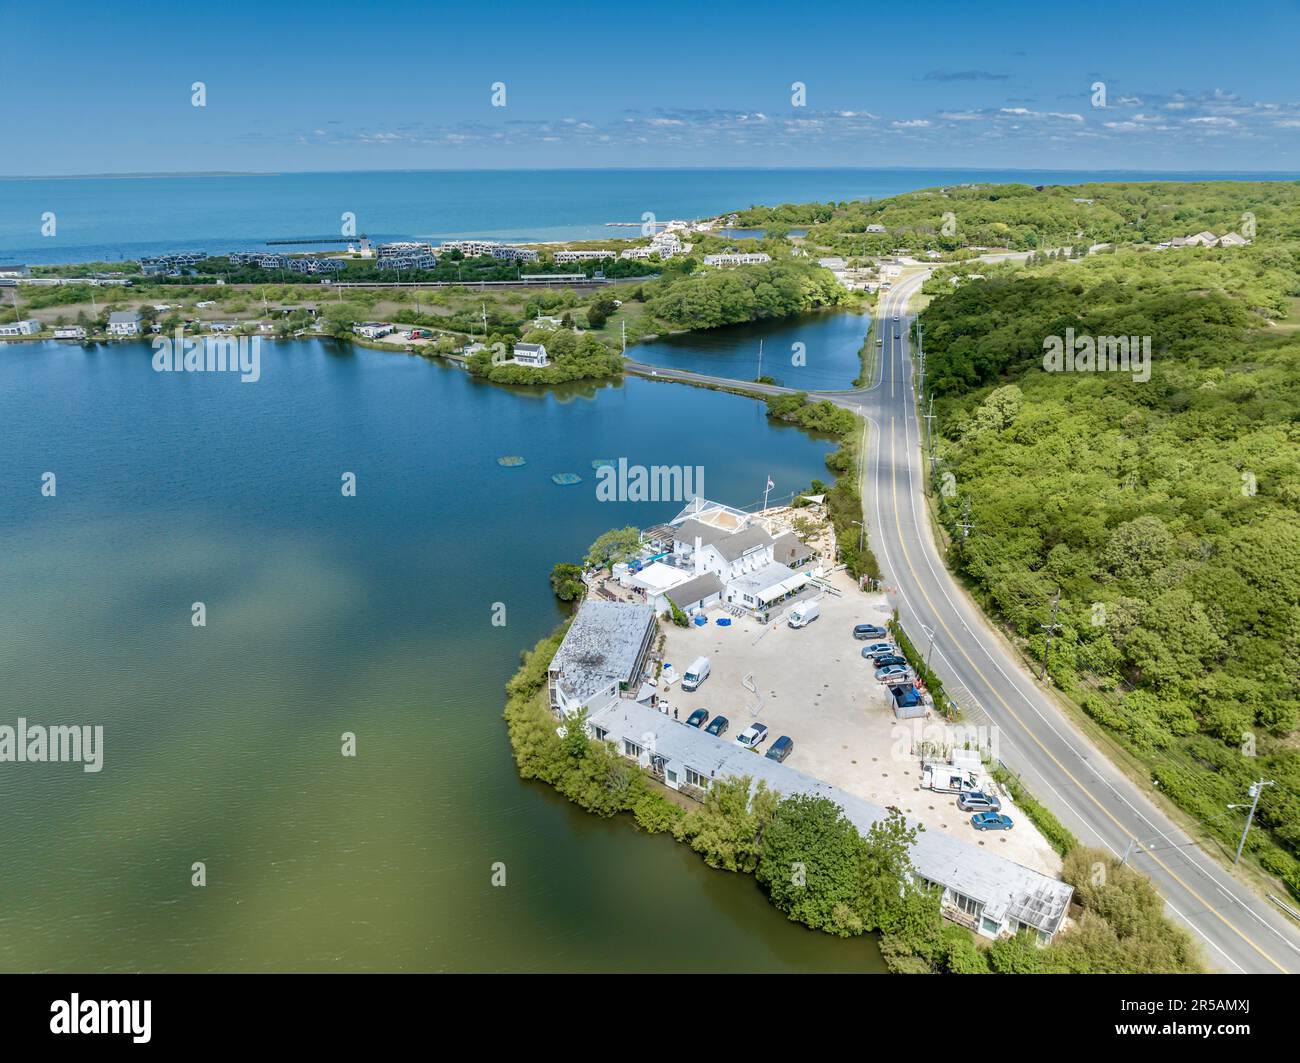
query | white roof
[1001, 885]
[659, 577]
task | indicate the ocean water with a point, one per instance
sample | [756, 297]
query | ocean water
[125, 217]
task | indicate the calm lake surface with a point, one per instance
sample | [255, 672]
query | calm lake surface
[328, 614]
[830, 344]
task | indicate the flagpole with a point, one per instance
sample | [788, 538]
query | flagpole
[767, 490]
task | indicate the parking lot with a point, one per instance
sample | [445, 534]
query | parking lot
[813, 685]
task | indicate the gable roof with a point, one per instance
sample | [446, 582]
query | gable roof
[739, 544]
[789, 549]
[694, 590]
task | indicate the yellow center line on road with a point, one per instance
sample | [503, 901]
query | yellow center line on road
[893, 490]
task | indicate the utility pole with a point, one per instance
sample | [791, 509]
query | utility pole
[929, 429]
[931, 632]
[1051, 630]
[1256, 788]
[965, 524]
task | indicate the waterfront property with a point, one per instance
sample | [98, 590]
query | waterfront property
[29, 327]
[984, 892]
[123, 323]
[531, 354]
[70, 332]
[601, 657]
[372, 330]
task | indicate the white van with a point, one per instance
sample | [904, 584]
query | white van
[696, 674]
[804, 614]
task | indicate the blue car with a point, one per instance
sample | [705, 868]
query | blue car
[697, 718]
[780, 749]
[991, 821]
[718, 726]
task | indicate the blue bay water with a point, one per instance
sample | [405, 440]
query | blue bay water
[110, 218]
[328, 614]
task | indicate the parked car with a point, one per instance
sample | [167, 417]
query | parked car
[717, 726]
[884, 660]
[780, 749]
[991, 821]
[979, 801]
[869, 631]
[697, 718]
[752, 735]
[893, 670]
[875, 648]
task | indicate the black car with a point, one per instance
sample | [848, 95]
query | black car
[885, 660]
[780, 749]
[717, 726]
[697, 718]
[869, 631]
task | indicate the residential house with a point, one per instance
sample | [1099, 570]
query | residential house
[123, 323]
[532, 354]
[69, 332]
[29, 327]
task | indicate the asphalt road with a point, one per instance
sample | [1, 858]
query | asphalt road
[1236, 930]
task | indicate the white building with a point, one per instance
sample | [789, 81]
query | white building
[123, 323]
[532, 354]
[987, 893]
[372, 330]
[70, 332]
[729, 544]
[585, 256]
[601, 658]
[28, 327]
[736, 258]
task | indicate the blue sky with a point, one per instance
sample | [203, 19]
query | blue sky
[342, 86]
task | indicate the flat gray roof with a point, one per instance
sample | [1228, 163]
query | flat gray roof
[1004, 887]
[602, 645]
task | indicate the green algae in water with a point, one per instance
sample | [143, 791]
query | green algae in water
[511, 461]
[566, 478]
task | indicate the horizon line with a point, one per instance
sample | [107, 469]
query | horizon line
[153, 174]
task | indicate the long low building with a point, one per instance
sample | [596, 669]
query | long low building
[987, 893]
